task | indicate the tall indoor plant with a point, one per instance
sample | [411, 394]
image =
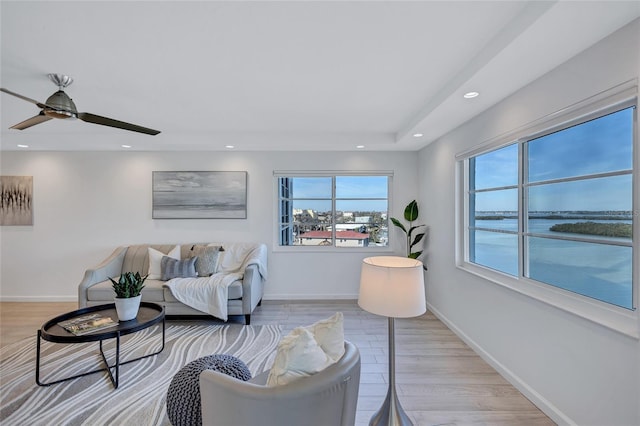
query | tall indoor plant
[411, 232]
[128, 294]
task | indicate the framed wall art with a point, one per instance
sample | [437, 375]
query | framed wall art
[199, 195]
[16, 200]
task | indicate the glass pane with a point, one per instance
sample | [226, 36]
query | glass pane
[598, 271]
[495, 169]
[365, 219]
[361, 186]
[495, 209]
[597, 146]
[312, 207]
[495, 250]
[603, 202]
[311, 187]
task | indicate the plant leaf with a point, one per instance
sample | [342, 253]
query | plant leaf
[411, 211]
[417, 239]
[413, 228]
[415, 255]
[397, 223]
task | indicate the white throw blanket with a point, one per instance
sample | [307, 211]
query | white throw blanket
[210, 294]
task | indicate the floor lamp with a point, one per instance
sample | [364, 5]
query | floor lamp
[393, 287]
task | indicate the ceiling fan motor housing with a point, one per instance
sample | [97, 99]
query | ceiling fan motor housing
[64, 106]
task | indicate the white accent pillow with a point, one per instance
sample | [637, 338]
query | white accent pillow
[308, 350]
[329, 333]
[155, 261]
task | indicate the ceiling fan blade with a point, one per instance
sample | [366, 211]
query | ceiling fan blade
[40, 118]
[96, 119]
[24, 98]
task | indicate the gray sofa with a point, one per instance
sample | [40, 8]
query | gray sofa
[243, 294]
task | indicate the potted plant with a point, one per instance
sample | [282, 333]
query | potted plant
[413, 237]
[128, 289]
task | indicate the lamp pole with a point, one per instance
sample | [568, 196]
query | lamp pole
[391, 412]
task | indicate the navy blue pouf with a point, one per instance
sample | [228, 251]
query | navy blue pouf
[184, 407]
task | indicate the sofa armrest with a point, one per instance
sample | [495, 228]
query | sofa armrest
[108, 268]
[252, 289]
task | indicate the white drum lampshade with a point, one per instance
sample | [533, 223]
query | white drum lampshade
[392, 286]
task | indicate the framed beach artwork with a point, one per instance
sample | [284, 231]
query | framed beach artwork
[199, 195]
[16, 200]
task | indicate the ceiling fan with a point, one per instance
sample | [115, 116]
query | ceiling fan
[60, 105]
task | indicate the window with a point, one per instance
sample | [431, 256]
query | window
[333, 210]
[554, 207]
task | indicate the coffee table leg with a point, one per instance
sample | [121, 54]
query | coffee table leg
[114, 379]
[38, 360]
[115, 385]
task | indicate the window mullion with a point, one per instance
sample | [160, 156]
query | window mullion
[523, 207]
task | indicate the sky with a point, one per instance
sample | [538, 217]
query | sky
[364, 193]
[601, 145]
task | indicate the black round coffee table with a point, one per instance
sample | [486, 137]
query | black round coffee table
[149, 314]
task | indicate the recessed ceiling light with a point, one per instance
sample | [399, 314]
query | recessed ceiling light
[470, 95]
[418, 135]
[126, 146]
[360, 146]
[229, 146]
[22, 146]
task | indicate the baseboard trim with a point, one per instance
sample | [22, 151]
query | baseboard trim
[300, 297]
[542, 403]
[38, 298]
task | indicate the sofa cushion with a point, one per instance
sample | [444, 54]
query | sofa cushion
[173, 268]
[155, 259]
[207, 259]
[103, 292]
[235, 292]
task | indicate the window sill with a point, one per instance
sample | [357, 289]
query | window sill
[324, 249]
[620, 320]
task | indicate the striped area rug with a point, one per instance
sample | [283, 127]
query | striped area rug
[140, 397]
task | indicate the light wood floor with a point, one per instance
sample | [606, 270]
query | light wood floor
[440, 380]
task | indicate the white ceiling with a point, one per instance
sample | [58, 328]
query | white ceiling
[290, 75]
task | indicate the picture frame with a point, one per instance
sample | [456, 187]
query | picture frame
[16, 200]
[199, 195]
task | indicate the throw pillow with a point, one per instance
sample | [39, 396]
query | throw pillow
[155, 257]
[173, 268]
[207, 262]
[298, 355]
[329, 333]
[308, 350]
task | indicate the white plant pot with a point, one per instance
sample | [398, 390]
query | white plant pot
[127, 308]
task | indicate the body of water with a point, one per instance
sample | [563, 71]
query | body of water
[600, 271]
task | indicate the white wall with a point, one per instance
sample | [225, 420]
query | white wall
[577, 371]
[88, 203]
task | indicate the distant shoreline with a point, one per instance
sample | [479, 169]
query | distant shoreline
[591, 228]
[567, 216]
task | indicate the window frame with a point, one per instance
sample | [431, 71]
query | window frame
[622, 320]
[277, 174]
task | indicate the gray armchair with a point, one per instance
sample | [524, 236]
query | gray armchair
[327, 398]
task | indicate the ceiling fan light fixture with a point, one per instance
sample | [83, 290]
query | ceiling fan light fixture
[59, 114]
